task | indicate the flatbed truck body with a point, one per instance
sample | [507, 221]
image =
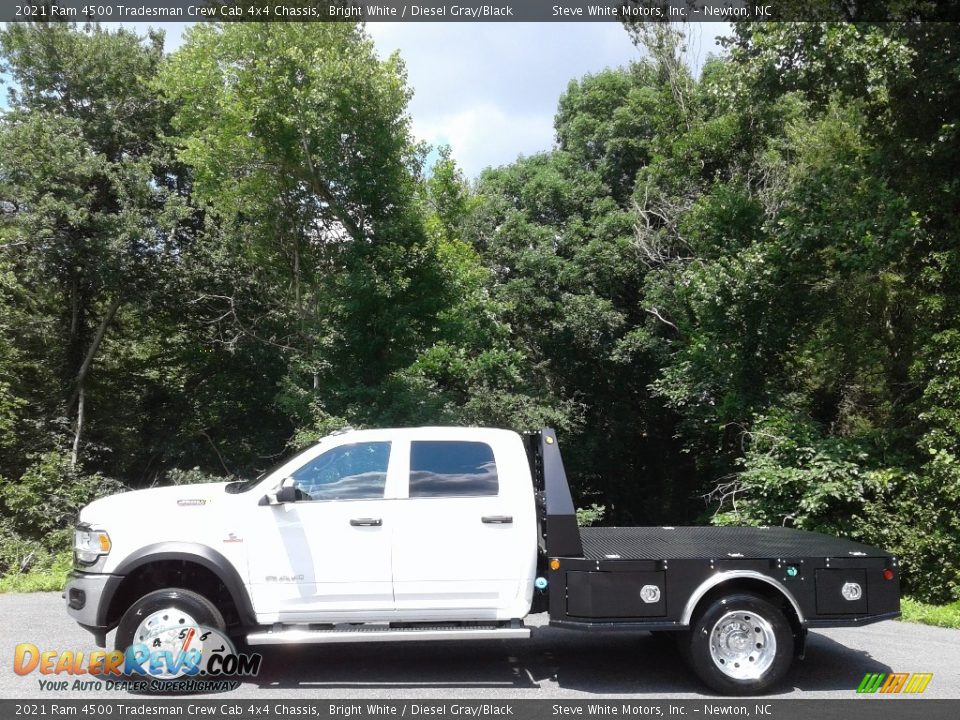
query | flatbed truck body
[601, 571]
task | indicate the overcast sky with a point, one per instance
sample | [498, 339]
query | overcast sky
[490, 90]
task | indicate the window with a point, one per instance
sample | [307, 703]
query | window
[452, 469]
[348, 472]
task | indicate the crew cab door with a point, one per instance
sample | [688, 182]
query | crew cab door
[327, 554]
[465, 536]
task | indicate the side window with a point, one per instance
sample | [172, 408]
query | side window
[348, 472]
[452, 469]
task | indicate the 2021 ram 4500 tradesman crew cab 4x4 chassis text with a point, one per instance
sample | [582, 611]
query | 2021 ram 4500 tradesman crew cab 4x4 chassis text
[457, 533]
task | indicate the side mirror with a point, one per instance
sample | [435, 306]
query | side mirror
[288, 491]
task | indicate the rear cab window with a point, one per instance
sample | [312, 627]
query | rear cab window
[452, 468]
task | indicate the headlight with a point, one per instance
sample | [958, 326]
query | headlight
[89, 544]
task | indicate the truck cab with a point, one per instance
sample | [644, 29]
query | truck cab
[408, 525]
[412, 525]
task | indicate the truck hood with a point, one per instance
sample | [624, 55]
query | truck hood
[161, 501]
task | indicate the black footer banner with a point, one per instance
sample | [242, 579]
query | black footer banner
[864, 708]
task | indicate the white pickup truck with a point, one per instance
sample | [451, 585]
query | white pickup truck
[455, 533]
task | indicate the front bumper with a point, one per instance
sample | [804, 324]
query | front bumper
[84, 595]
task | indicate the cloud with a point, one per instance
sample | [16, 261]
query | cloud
[486, 134]
[490, 90]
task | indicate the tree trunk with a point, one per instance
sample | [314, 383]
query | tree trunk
[296, 278]
[79, 430]
[323, 190]
[83, 372]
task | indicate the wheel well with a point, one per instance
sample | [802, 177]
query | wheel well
[162, 574]
[757, 587]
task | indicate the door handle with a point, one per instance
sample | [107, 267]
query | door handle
[497, 519]
[366, 522]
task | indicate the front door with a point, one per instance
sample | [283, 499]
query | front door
[328, 554]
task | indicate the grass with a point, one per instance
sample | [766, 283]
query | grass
[947, 616]
[51, 577]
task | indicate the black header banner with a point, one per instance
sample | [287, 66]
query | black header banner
[161, 11]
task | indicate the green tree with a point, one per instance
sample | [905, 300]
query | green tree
[89, 227]
[325, 244]
[558, 232]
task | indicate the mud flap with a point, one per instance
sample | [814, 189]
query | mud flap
[800, 644]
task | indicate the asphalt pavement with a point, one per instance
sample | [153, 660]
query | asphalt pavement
[553, 664]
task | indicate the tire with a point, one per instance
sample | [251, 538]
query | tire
[184, 606]
[741, 644]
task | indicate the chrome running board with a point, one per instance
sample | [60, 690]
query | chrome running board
[296, 635]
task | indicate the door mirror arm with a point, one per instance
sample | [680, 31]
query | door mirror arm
[286, 493]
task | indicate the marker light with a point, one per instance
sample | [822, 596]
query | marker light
[792, 571]
[888, 574]
[554, 564]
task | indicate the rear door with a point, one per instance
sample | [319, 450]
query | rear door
[464, 542]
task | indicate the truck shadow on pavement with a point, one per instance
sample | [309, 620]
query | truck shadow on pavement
[594, 663]
[652, 665]
[829, 665]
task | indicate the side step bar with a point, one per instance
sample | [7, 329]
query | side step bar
[300, 635]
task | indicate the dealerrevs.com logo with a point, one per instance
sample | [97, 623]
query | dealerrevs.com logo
[182, 658]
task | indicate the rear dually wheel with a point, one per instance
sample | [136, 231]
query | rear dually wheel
[741, 644]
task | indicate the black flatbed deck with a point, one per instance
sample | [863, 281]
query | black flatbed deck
[659, 578]
[698, 543]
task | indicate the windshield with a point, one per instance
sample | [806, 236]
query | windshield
[244, 485]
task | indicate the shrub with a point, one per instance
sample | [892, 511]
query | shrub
[590, 515]
[19, 554]
[49, 495]
[40, 510]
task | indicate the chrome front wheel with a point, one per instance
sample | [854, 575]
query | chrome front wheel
[169, 625]
[169, 629]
